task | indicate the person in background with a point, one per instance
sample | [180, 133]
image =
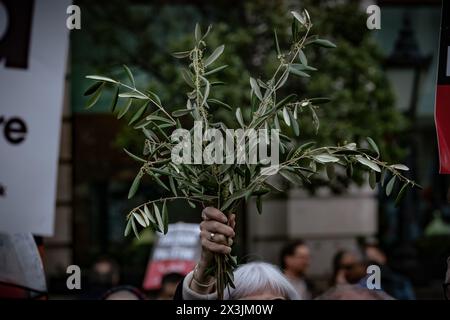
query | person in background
[348, 268]
[295, 260]
[169, 285]
[353, 292]
[123, 293]
[393, 283]
[104, 275]
[252, 281]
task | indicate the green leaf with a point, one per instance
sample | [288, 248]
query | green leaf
[215, 70]
[373, 145]
[146, 219]
[223, 104]
[331, 174]
[239, 117]
[149, 215]
[372, 179]
[318, 101]
[93, 88]
[187, 76]
[115, 99]
[206, 92]
[191, 204]
[291, 177]
[136, 233]
[325, 158]
[285, 100]
[400, 167]
[133, 94]
[286, 117]
[127, 228]
[294, 28]
[197, 33]
[383, 177]
[172, 186]
[213, 57]
[302, 57]
[153, 117]
[158, 180]
[294, 123]
[259, 204]
[390, 186]
[165, 218]
[140, 220]
[401, 193]
[255, 88]
[181, 54]
[93, 100]
[181, 112]
[277, 45]
[125, 109]
[349, 170]
[159, 220]
[276, 122]
[302, 67]
[135, 157]
[298, 72]
[154, 98]
[299, 17]
[324, 43]
[207, 32]
[130, 75]
[139, 113]
[282, 81]
[368, 163]
[134, 185]
[101, 78]
[235, 196]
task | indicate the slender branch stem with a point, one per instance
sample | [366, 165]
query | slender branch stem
[154, 102]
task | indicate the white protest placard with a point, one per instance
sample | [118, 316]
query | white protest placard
[33, 55]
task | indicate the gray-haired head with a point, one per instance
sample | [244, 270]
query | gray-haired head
[257, 279]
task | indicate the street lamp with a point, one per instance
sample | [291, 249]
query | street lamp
[405, 69]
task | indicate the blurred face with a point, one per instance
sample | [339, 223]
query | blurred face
[299, 261]
[353, 269]
[122, 295]
[168, 291]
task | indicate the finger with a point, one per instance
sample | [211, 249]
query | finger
[232, 221]
[215, 247]
[217, 227]
[218, 238]
[215, 214]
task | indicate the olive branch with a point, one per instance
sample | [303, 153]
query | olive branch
[225, 186]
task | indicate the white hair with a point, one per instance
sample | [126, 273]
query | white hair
[258, 278]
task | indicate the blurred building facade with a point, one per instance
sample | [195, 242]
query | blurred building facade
[94, 177]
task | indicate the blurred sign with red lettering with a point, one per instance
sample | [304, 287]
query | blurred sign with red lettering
[176, 252]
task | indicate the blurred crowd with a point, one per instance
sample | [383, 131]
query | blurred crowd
[348, 280]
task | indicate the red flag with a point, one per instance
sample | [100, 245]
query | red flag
[442, 105]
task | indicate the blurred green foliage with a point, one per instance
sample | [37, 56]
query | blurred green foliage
[143, 36]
